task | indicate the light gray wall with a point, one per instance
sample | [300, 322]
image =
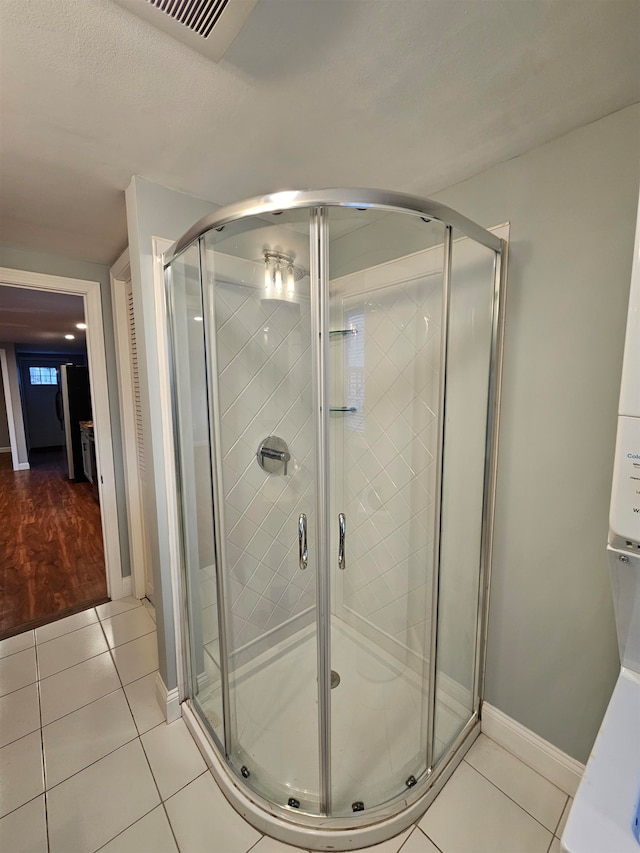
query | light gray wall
[552, 653]
[156, 211]
[47, 263]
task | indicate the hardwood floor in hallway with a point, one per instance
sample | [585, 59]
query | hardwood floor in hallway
[51, 552]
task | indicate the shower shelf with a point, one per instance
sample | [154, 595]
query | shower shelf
[343, 410]
[342, 333]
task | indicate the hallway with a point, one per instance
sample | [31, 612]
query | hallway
[51, 552]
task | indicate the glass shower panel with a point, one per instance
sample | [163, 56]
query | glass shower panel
[256, 286]
[465, 435]
[385, 307]
[195, 484]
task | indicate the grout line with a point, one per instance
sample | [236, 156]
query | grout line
[91, 764]
[498, 788]
[122, 831]
[253, 846]
[562, 813]
[44, 767]
[80, 707]
[64, 633]
[144, 752]
[17, 652]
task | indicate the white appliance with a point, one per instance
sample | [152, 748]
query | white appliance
[605, 816]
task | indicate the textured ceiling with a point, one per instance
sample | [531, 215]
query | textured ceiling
[411, 95]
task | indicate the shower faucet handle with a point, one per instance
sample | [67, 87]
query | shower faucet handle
[272, 453]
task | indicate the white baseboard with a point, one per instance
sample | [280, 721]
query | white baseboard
[556, 766]
[127, 587]
[169, 700]
[22, 466]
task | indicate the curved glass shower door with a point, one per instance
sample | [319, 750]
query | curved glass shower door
[385, 342]
[333, 400]
[258, 322]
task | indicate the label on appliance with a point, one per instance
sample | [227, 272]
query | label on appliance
[625, 495]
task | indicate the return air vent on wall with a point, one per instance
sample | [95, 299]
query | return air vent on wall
[208, 26]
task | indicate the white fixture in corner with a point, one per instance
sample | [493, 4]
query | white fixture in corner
[208, 26]
[606, 812]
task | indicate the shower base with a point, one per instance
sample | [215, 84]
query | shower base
[377, 731]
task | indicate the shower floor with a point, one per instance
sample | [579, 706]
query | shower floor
[378, 724]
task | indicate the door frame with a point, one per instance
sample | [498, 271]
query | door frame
[117, 586]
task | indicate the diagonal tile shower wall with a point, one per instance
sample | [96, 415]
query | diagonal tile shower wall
[264, 366]
[389, 371]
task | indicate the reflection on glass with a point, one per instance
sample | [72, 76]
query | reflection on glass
[195, 485]
[261, 332]
[385, 372]
[468, 367]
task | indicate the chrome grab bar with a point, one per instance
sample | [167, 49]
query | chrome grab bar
[342, 527]
[303, 551]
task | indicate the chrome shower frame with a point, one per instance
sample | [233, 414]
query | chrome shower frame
[323, 832]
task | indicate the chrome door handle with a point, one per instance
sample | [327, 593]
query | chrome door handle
[303, 551]
[342, 528]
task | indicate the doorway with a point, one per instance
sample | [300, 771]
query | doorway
[99, 517]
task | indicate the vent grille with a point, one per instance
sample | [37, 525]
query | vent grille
[200, 16]
[207, 26]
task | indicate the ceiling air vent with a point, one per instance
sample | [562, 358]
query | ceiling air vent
[208, 26]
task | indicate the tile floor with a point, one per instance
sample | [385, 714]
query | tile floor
[87, 763]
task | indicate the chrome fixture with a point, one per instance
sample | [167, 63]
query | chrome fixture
[303, 550]
[281, 276]
[273, 455]
[342, 529]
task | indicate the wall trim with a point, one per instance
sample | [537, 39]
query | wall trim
[127, 587]
[169, 700]
[5, 450]
[556, 766]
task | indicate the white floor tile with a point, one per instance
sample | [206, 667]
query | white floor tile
[419, 843]
[21, 776]
[101, 801]
[137, 658]
[66, 625]
[72, 688]
[118, 605]
[25, 830]
[529, 789]
[555, 846]
[19, 714]
[128, 626]
[144, 703]
[563, 820]
[270, 845]
[16, 644]
[84, 736]
[174, 758]
[471, 814]
[17, 671]
[65, 651]
[152, 833]
[200, 813]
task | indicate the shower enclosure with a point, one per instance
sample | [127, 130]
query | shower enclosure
[336, 359]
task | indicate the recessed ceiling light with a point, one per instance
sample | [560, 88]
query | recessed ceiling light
[69, 337]
[198, 319]
[81, 325]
